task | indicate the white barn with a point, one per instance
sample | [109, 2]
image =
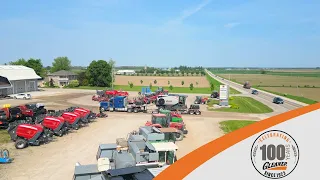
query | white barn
[125, 72]
[17, 79]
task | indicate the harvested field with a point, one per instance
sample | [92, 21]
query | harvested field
[162, 81]
[274, 80]
[310, 93]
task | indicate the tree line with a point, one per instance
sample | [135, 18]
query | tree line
[98, 73]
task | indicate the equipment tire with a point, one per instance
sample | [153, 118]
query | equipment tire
[21, 143]
[198, 112]
[129, 110]
[111, 109]
[179, 136]
[102, 109]
[135, 110]
[191, 112]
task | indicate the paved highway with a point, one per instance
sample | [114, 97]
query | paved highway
[263, 96]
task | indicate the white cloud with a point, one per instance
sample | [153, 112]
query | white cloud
[231, 25]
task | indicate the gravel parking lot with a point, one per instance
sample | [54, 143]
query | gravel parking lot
[56, 160]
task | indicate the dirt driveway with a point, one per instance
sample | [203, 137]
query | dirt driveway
[56, 160]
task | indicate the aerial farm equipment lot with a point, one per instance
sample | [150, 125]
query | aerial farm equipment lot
[56, 160]
[163, 81]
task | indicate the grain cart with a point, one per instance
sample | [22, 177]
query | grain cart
[247, 85]
[161, 120]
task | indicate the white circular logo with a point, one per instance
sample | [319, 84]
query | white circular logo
[275, 154]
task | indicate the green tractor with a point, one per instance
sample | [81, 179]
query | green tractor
[174, 117]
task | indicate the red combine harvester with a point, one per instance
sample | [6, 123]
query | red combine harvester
[72, 119]
[28, 134]
[57, 125]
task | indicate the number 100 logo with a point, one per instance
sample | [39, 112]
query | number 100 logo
[275, 154]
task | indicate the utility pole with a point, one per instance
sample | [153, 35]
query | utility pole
[112, 76]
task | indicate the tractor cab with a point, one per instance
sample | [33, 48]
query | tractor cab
[173, 117]
[167, 151]
[160, 119]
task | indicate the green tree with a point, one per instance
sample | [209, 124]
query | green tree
[170, 87]
[99, 73]
[141, 81]
[131, 85]
[37, 66]
[155, 81]
[73, 83]
[61, 63]
[20, 61]
[83, 79]
[168, 82]
[191, 86]
[182, 83]
[211, 86]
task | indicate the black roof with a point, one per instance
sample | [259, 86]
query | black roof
[63, 73]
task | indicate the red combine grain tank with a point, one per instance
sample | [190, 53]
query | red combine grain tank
[55, 124]
[25, 134]
[72, 119]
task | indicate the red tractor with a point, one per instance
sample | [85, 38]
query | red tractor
[162, 121]
[12, 113]
[26, 112]
[28, 134]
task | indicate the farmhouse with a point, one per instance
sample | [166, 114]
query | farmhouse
[17, 79]
[125, 72]
[62, 78]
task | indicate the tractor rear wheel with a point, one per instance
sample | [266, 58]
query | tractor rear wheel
[21, 143]
[179, 135]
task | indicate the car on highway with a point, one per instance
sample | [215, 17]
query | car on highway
[255, 92]
[278, 100]
[22, 96]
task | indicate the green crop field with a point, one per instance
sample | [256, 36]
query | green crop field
[245, 105]
[290, 73]
[232, 125]
[304, 89]
[217, 85]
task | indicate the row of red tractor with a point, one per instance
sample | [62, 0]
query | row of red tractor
[32, 124]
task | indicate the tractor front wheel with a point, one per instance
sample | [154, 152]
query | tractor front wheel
[135, 110]
[198, 112]
[21, 143]
[179, 135]
[129, 110]
[191, 112]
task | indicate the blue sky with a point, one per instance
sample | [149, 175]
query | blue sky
[233, 33]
